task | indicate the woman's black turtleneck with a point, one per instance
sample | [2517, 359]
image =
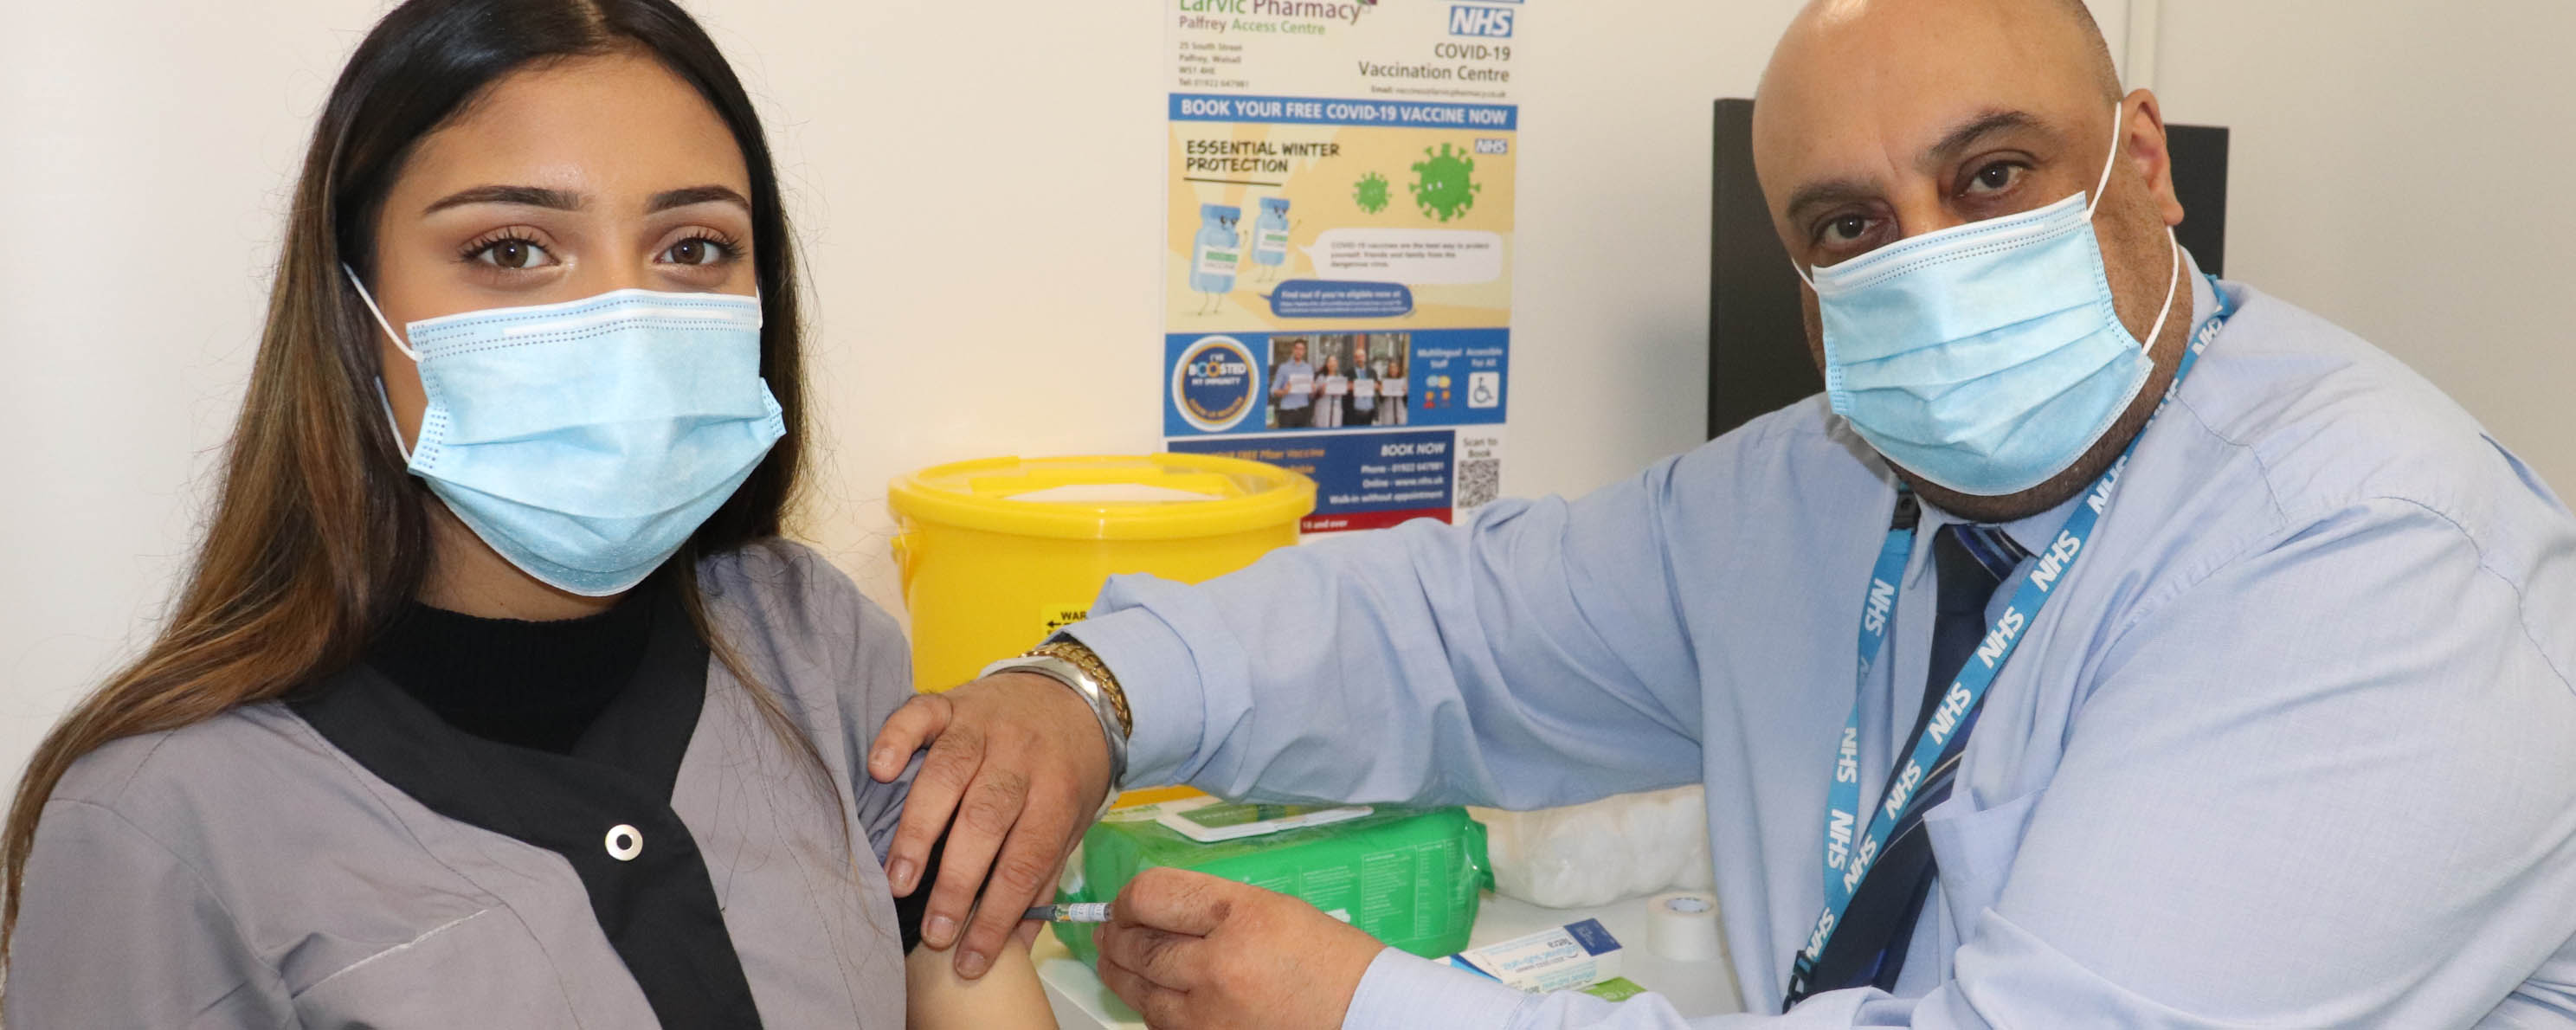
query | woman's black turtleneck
[532, 684]
[541, 685]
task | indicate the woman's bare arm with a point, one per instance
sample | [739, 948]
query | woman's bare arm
[1007, 997]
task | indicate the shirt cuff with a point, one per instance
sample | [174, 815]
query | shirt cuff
[1155, 670]
[1404, 992]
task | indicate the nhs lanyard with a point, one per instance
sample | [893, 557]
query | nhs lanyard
[1848, 860]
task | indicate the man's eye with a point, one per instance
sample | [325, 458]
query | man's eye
[513, 253]
[1847, 229]
[1995, 178]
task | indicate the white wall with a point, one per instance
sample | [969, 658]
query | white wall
[2402, 168]
[979, 197]
[149, 157]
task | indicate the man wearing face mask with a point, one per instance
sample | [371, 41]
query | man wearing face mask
[2110, 645]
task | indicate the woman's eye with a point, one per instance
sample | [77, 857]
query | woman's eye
[1995, 178]
[697, 250]
[513, 254]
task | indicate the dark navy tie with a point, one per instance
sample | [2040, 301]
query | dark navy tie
[1869, 942]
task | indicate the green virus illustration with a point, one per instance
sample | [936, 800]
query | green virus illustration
[1370, 193]
[1444, 182]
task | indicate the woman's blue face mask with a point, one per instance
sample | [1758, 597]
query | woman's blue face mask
[1986, 357]
[585, 441]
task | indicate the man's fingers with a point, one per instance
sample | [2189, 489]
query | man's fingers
[945, 773]
[973, 840]
[1162, 957]
[1026, 934]
[984, 819]
[1161, 1006]
[918, 721]
[1021, 877]
[1122, 981]
[1164, 898]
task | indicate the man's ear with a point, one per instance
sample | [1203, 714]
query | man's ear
[2143, 144]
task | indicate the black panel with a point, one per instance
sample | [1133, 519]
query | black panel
[2200, 182]
[1758, 359]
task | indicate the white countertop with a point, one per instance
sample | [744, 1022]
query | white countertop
[1695, 988]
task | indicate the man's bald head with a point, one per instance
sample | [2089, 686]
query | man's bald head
[2104, 71]
[1874, 93]
[2078, 45]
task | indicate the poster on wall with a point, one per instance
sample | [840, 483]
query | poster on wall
[1338, 276]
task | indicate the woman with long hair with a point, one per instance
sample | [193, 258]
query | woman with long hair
[493, 697]
[1332, 389]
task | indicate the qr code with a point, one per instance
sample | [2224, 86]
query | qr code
[1479, 482]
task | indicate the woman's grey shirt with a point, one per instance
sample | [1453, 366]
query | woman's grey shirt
[247, 872]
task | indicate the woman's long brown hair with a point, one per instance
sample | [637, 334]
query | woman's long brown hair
[318, 536]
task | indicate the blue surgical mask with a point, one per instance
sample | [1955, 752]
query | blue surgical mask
[1985, 357]
[585, 441]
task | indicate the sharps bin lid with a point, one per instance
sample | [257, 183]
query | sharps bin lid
[1106, 497]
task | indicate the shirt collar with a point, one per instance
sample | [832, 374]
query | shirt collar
[2204, 297]
[2035, 532]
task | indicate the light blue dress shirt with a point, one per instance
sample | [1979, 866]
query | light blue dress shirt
[2294, 745]
[1293, 399]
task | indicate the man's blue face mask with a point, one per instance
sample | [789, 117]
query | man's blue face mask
[1986, 357]
[585, 441]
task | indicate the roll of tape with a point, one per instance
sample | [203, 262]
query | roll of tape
[1682, 926]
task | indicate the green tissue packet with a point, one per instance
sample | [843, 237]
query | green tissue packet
[1409, 877]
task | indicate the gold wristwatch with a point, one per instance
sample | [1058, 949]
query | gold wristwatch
[1065, 660]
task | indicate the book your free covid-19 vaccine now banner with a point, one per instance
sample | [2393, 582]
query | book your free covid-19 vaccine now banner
[1338, 280]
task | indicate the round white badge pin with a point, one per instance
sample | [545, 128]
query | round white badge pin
[624, 842]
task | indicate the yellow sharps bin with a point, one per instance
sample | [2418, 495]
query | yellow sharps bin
[996, 554]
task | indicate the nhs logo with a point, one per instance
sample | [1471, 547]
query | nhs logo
[1492, 22]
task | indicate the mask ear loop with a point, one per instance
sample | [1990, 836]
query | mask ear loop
[2118, 119]
[382, 399]
[2174, 279]
[372, 309]
[2172, 284]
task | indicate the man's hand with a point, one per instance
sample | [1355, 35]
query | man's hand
[1019, 760]
[1189, 950]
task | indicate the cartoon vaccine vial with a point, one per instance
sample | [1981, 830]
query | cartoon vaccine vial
[1270, 237]
[1219, 249]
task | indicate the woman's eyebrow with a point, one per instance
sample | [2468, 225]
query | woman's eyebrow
[528, 196]
[685, 196]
